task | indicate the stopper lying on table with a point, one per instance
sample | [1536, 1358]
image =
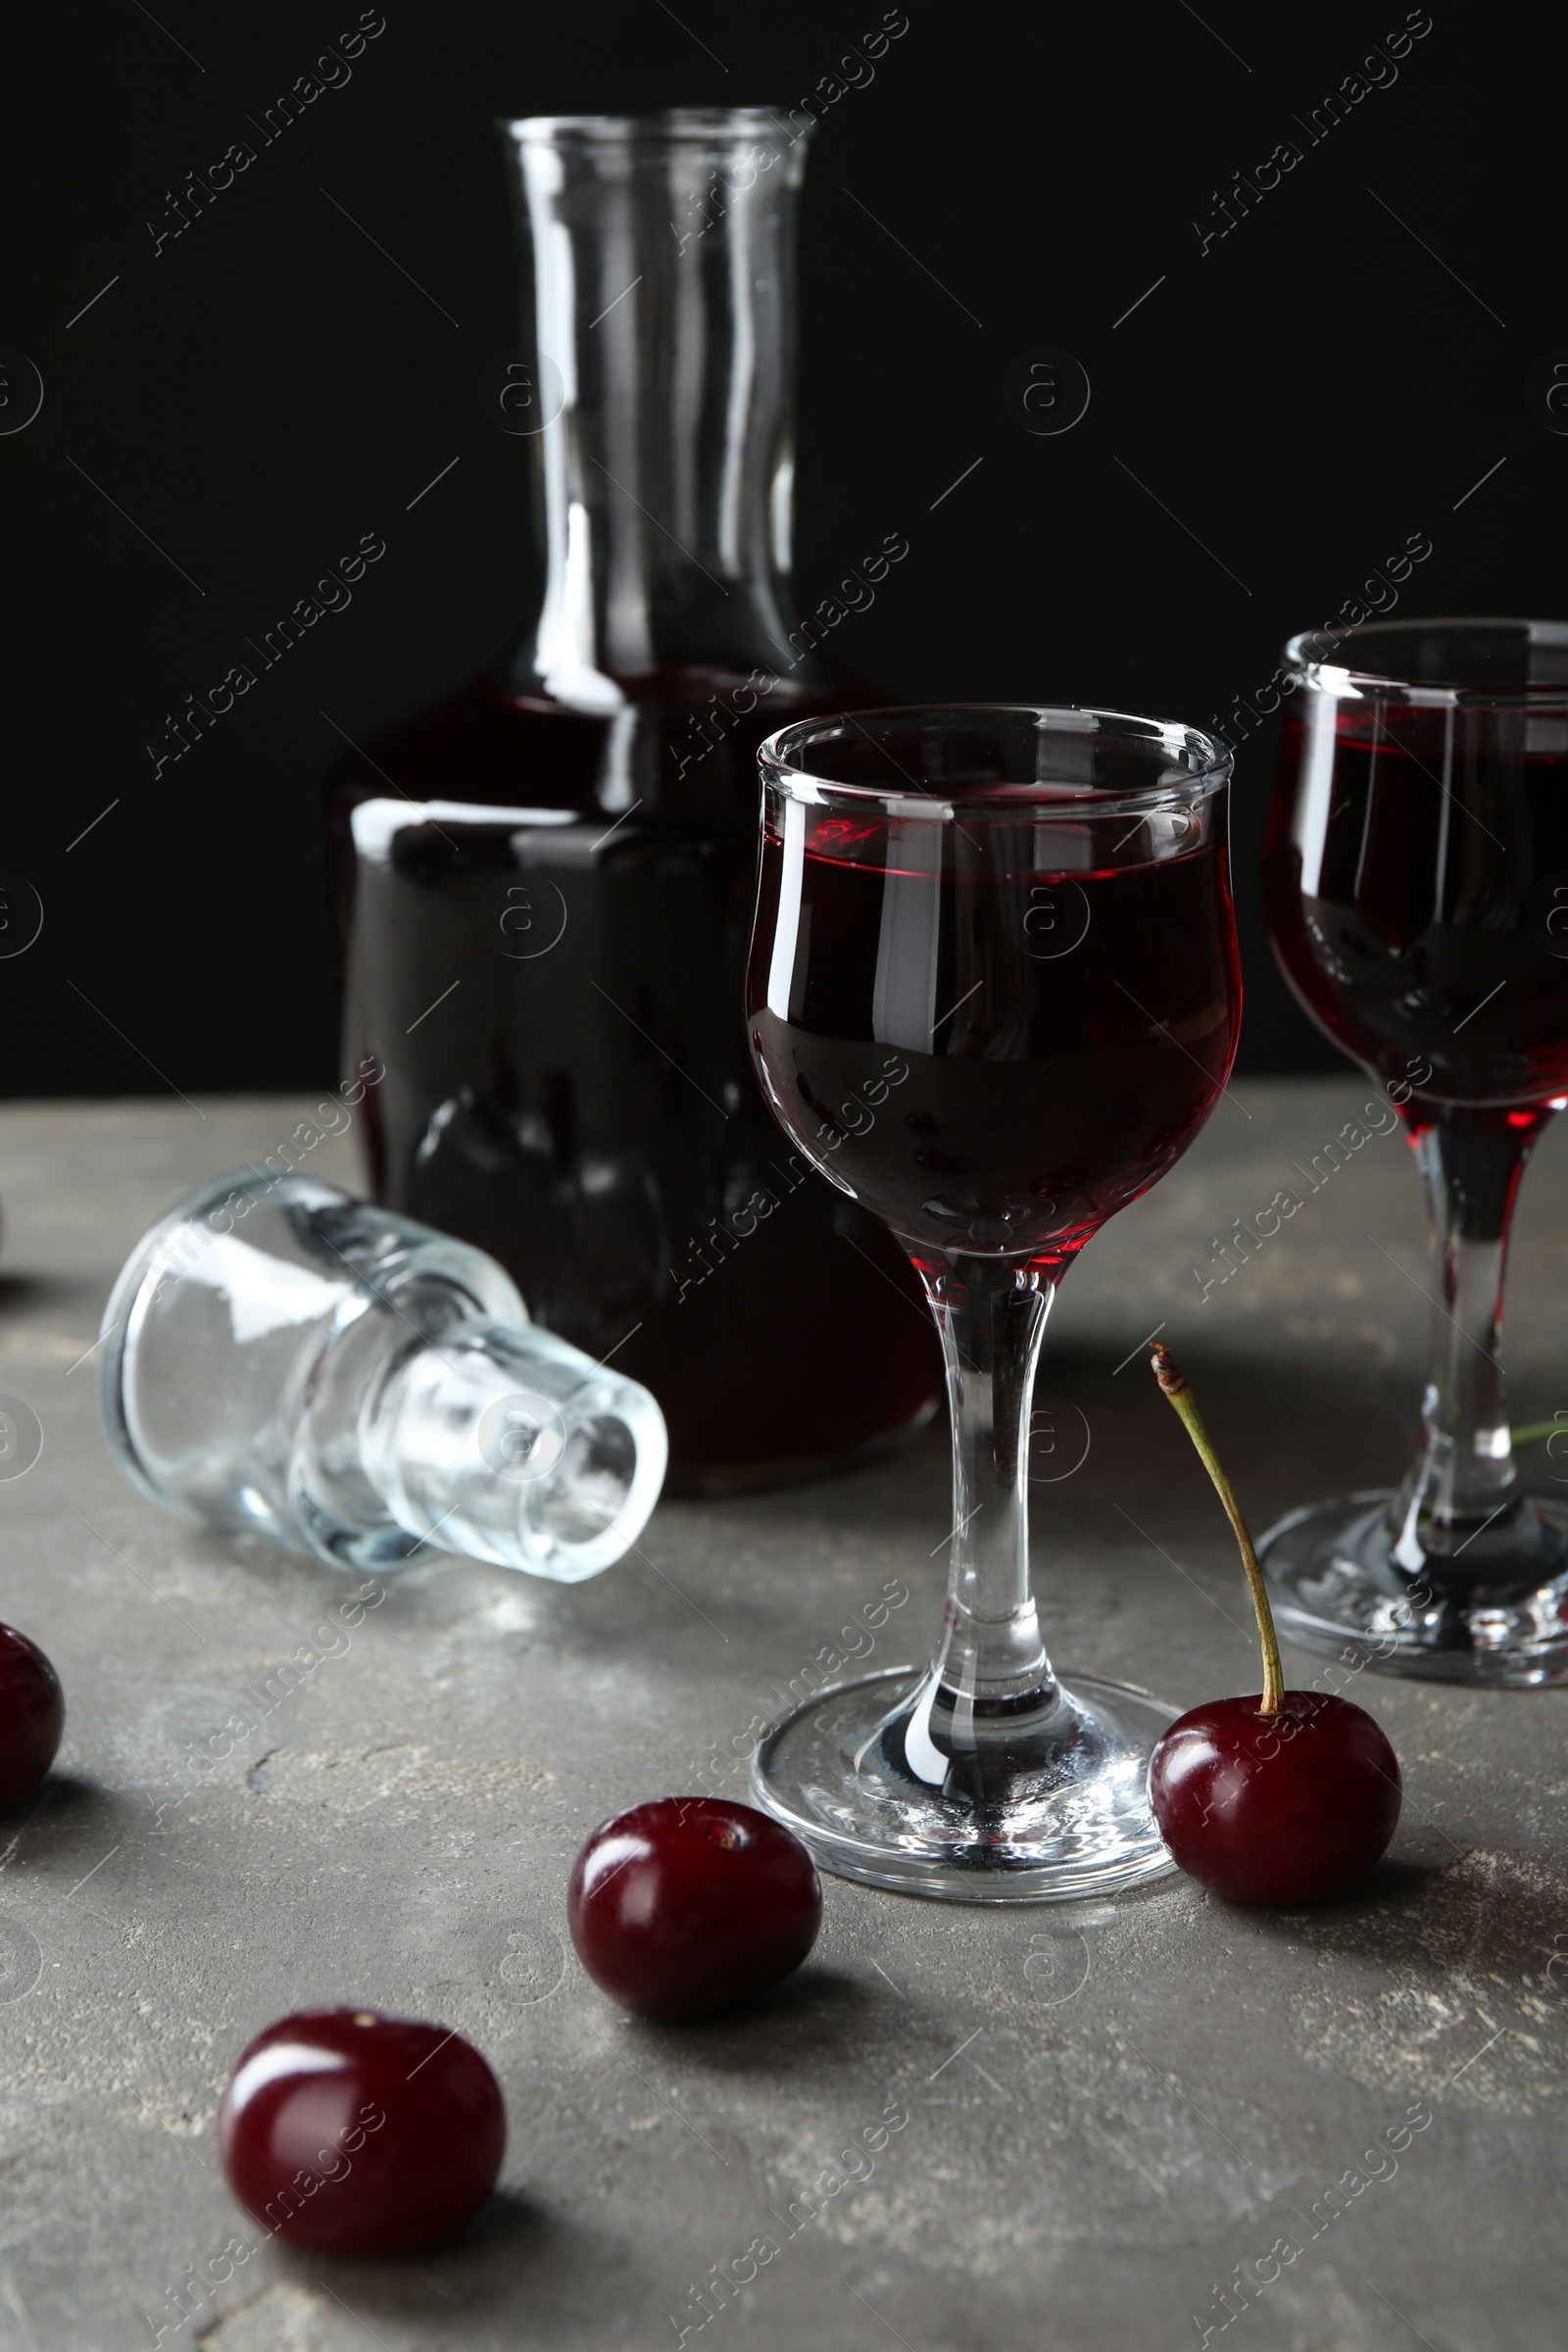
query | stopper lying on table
[281, 1359]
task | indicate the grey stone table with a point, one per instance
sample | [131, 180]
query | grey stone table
[1042, 2128]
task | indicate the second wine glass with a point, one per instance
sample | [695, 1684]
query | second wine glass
[992, 995]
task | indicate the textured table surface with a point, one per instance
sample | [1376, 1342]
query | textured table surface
[1091, 2114]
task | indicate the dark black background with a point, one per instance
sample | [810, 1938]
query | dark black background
[1303, 397]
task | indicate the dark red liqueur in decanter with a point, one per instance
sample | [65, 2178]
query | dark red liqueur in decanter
[548, 879]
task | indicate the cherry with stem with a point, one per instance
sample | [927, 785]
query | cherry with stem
[1283, 1797]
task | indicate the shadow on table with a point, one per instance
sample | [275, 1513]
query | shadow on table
[472, 2274]
[69, 1811]
[786, 2031]
[1303, 1424]
[20, 1292]
[1485, 1912]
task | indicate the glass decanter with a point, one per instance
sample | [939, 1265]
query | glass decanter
[548, 878]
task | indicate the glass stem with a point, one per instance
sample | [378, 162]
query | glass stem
[1464, 1473]
[991, 1683]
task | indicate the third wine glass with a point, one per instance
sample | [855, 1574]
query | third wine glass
[1416, 880]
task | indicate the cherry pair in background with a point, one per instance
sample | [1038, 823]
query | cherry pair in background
[347, 2133]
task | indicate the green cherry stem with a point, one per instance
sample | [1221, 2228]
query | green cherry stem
[1173, 1382]
[1533, 1432]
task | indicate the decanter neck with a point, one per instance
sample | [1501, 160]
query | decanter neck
[662, 255]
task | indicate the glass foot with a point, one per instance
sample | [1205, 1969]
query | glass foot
[855, 1775]
[1493, 1609]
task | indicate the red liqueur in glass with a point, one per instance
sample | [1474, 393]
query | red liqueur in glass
[880, 1025]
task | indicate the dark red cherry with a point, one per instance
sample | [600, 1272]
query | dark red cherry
[33, 1715]
[1281, 1808]
[346, 2133]
[689, 1904]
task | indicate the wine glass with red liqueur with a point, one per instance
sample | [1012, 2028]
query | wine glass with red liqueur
[1416, 884]
[992, 995]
